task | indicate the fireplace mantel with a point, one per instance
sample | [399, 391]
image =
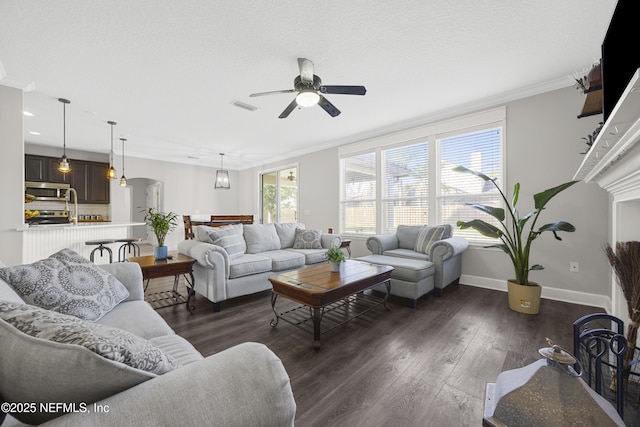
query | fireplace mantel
[613, 161]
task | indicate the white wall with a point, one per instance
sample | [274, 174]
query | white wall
[318, 185]
[187, 190]
[11, 175]
[543, 139]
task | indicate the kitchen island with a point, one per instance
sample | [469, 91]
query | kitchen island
[40, 241]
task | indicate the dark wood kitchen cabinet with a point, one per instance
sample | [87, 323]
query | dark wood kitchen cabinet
[44, 169]
[89, 179]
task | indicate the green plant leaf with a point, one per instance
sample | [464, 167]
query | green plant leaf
[481, 227]
[523, 220]
[541, 199]
[537, 267]
[516, 192]
[557, 226]
[479, 174]
[497, 213]
[499, 246]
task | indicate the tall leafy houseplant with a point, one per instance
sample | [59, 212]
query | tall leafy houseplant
[161, 224]
[513, 232]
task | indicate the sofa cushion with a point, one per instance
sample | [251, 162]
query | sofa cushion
[67, 283]
[248, 264]
[410, 270]
[54, 357]
[408, 235]
[261, 238]
[427, 237]
[284, 260]
[229, 237]
[138, 318]
[312, 256]
[406, 253]
[287, 233]
[307, 239]
[178, 348]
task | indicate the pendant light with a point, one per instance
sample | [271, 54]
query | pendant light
[111, 173]
[222, 177]
[123, 179]
[63, 165]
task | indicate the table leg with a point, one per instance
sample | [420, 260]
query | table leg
[191, 293]
[386, 297]
[274, 321]
[317, 317]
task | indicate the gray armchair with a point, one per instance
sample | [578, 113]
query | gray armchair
[444, 252]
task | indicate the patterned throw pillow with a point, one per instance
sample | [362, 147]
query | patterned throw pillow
[67, 283]
[427, 237]
[307, 239]
[111, 343]
[230, 238]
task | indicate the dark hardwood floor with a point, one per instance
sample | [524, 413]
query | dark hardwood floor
[404, 367]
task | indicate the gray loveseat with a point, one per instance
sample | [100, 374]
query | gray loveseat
[238, 259]
[245, 385]
[426, 259]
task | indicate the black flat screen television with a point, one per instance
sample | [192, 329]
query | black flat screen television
[620, 58]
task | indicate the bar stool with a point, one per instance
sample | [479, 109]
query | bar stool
[129, 246]
[101, 247]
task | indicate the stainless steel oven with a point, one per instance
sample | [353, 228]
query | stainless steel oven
[47, 191]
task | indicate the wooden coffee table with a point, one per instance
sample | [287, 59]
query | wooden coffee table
[177, 264]
[335, 297]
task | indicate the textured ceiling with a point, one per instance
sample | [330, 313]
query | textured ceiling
[168, 71]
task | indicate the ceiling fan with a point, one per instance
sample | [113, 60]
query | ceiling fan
[310, 90]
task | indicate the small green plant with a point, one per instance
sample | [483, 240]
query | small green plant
[335, 255]
[161, 223]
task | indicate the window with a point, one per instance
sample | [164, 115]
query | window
[396, 179]
[481, 152]
[279, 196]
[359, 193]
[405, 186]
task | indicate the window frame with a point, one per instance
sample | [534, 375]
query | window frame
[430, 134]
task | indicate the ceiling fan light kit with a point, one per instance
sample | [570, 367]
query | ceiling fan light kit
[310, 90]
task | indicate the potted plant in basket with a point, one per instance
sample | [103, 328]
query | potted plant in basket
[161, 224]
[524, 295]
[335, 256]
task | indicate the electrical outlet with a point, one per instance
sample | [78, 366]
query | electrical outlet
[574, 266]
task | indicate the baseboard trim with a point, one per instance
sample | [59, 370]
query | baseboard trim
[564, 295]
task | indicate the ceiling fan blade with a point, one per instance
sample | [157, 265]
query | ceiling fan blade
[343, 90]
[273, 92]
[306, 70]
[328, 107]
[288, 110]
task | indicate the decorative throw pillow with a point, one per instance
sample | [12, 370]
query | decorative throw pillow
[307, 239]
[230, 238]
[261, 238]
[427, 237]
[52, 357]
[67, 283]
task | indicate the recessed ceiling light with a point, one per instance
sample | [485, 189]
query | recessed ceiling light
[27, 113]
[34, 132]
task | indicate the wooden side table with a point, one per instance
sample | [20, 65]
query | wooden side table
[177, 264]
[346, 244]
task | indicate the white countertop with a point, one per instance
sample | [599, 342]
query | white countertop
[82, 225]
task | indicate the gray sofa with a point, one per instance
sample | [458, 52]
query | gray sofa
[238, 259]
[241, 386]
[426, 259]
